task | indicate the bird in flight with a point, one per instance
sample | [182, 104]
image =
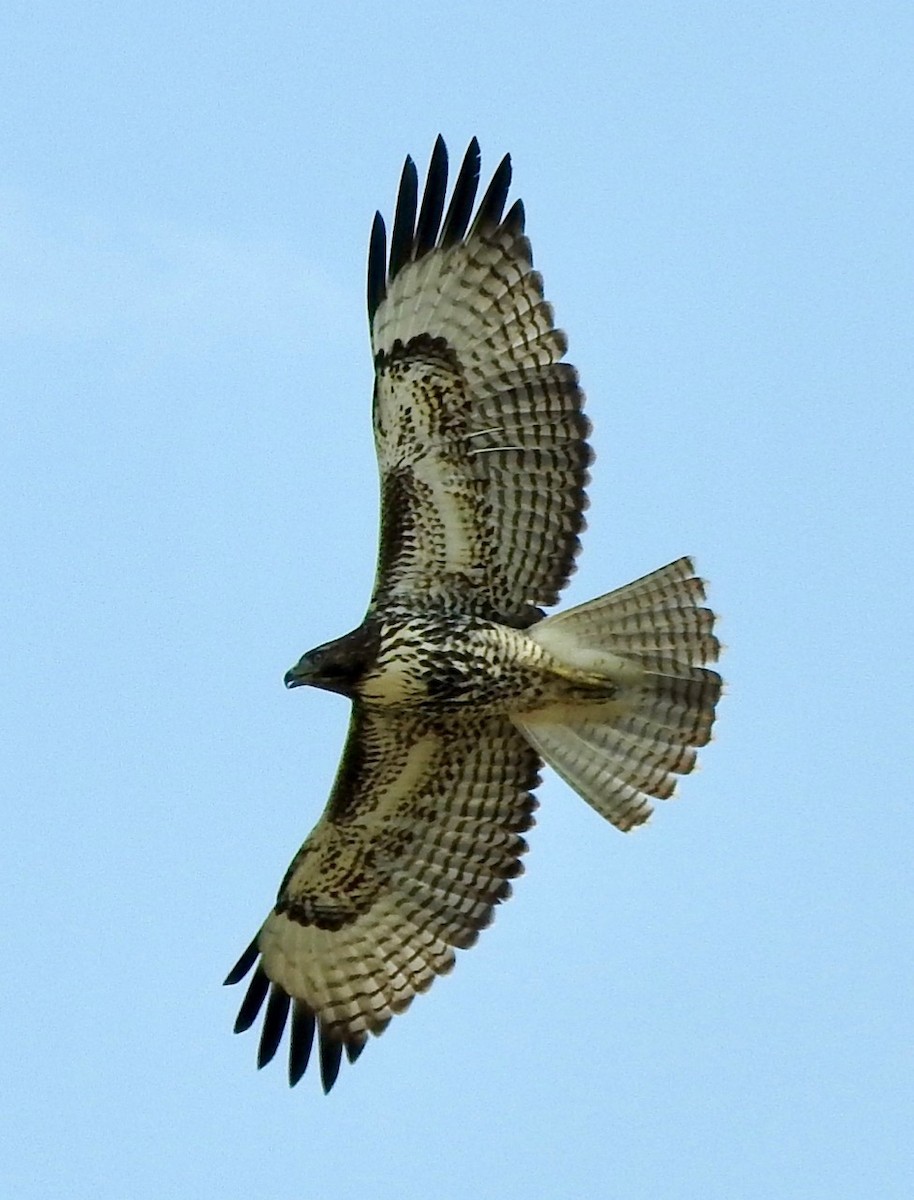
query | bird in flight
[461, 687]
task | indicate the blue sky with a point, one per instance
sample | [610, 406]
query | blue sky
[719, 197]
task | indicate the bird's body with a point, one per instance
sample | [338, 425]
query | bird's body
[413, 660]
[460, 685]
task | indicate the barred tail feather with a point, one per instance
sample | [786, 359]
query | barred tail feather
[650, 638]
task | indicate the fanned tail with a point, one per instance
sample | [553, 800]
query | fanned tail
[651, 639]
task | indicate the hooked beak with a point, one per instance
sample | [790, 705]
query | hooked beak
[301, 674]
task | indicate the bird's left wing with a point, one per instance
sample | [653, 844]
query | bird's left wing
[415, 848]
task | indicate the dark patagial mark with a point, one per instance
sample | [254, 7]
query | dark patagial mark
[398, 519]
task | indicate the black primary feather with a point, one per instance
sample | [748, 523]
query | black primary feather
[273, 1024]
[377, 265]
[253, 1000]
[354, 1049]
[413, 237]
[243, 965]
[331, 1053]
[432, 200]
[301, 1040]
[515, 219]
[461, 206]
[404, 228]
[493, 202]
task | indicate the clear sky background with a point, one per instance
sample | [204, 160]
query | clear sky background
[720, 199]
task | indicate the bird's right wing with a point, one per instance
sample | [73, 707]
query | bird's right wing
[417, 844]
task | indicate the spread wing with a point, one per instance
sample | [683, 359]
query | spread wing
[417, 844]
[479, 428]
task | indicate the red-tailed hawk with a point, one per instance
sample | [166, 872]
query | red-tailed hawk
[460, 687]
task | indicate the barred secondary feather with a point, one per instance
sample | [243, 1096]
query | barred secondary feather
[461, 687]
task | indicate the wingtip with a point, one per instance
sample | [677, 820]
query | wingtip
[274, 1024]
[355, 1048]
[331, 1053]
[253, 1001]
[432, 207]
[492, 206]
[403, 235]
[301, 1040]
[419, 227]
[243, 965]
[516, 218]
[463, 197]
[377, 265]
[282, 1011]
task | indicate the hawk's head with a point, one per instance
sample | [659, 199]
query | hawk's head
[337, 666]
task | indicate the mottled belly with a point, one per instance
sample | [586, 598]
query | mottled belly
[450, 662]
